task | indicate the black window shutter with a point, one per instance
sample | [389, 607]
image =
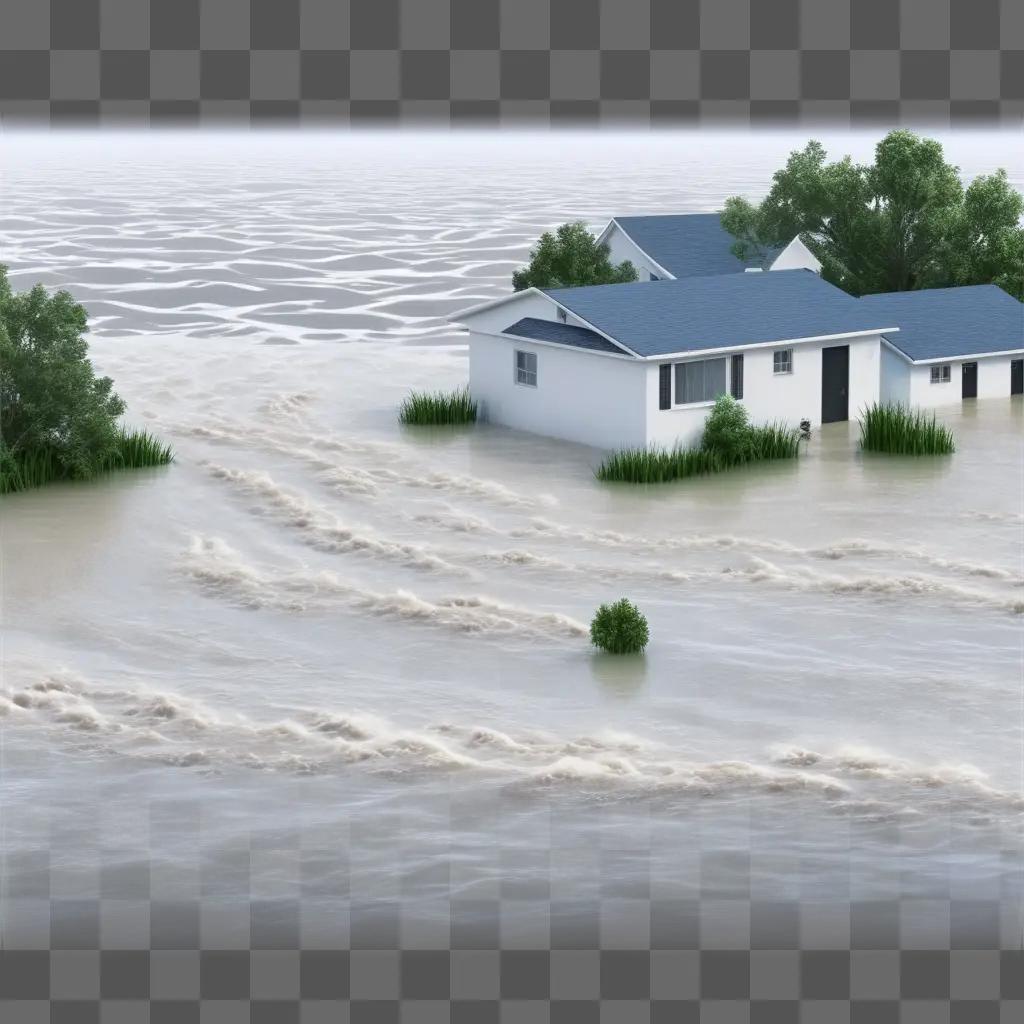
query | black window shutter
[665, 386]
[736, 385]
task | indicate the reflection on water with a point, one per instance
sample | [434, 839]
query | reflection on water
[320, 639]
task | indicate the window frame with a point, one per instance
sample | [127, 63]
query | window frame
[776, 372]
[518, 371]
[676, 404]
[941, 373]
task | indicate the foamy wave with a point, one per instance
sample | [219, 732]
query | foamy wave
[222, 572]
[1012, 518]
[180, 732]
[319, 528]
[842, 549]
[803, 578]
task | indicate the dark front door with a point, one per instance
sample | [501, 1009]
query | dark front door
[835, 384]
[970, 381]
[1017, 377]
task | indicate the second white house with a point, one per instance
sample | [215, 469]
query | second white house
[634, 364]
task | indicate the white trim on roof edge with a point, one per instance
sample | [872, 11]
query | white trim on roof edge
[699, 353]
[742, 346]
[628, 357]
[458, 316]
[962, 357]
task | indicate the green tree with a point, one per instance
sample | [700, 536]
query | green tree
[569, 258]
[50, 398]
[902, 222]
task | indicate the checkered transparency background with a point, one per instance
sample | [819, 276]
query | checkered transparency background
[513, 61]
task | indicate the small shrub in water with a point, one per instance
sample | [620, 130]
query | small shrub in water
[899, 430]
[619, 628]
[438, 408]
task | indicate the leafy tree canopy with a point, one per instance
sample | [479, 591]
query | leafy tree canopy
[904, 222]
[50, 398]
[568, 258]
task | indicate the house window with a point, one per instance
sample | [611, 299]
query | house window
[736, 380]
[526, 368]
[783, 361]
[942, 374]
[700, 381]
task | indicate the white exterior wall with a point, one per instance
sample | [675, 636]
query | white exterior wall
[993, 381]
[622, 247]
[896, 373]
[580, 396]
[796, 256]
[768, 396]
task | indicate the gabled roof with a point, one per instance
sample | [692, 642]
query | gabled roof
[946, 323]
[689, 244]
[656, 318]
[561, 334]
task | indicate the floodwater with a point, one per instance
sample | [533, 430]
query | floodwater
[320, 654]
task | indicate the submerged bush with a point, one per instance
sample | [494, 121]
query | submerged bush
[728, 440]
[900, 430]
[619, 628]
[438, 408]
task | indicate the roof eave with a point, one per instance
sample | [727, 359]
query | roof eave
[658, 357]
[969, 356]
[626, 356]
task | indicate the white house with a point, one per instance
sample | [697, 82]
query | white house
[953, 343]
[632, 364]
[666, 247]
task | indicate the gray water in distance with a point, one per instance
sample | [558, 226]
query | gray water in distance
[323, 651]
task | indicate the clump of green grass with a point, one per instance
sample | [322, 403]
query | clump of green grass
[728, 440]
[133, 449]
[900, 430]
[773, 441]
[139, 449]
[619, 628]
[657, 465]
[438, 408]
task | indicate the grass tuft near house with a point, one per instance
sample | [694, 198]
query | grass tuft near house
[900, 430]
[438, 408]
[729, 440]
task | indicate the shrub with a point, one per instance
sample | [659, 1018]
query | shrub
[900, 430]
[619, 628]
[726, 430]
[437, 408]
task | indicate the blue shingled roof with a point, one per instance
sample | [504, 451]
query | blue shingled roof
[699, 313]
[561, 334]
[940, 323]
[689, 244]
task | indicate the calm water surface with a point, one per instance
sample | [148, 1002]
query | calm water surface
[320, 653]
